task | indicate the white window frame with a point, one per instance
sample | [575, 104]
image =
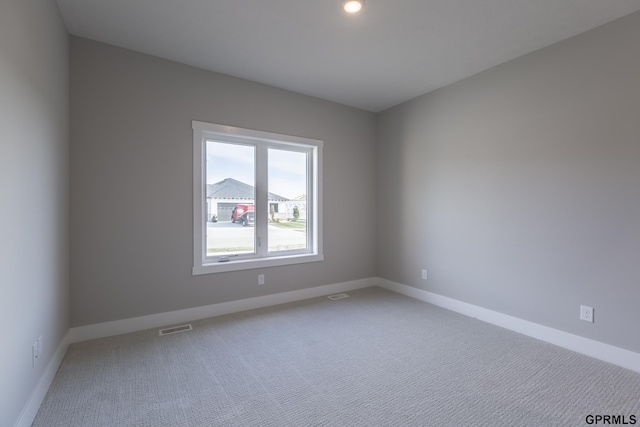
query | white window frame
[202, 264]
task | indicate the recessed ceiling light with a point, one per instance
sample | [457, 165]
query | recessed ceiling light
[352, 6]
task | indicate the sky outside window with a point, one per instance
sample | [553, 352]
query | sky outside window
[287, 169]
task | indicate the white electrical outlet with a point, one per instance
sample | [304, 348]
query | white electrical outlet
[34, 354]
[424, 274]
[586, 313]
[260, 279]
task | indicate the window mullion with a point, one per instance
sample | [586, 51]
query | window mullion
[262, 202]
[199, 240]
[310, 200]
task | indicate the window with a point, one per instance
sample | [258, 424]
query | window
[257, 198]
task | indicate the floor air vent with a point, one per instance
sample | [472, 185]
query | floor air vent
[175, 330]
[338, 296]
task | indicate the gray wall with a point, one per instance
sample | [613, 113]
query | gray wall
[519, 188]
[33, 194]
[131, 183]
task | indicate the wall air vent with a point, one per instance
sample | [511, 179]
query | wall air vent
[174, 330]
[338, 296]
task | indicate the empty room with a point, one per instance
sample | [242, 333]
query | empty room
[319, 213]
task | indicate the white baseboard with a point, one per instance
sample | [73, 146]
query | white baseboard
[33, 404]
[117, 327]
[596, 349]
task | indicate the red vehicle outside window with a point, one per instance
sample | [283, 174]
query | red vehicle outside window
[243, 214]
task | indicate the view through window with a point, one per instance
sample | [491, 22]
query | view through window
[287, 181]
[230, 198]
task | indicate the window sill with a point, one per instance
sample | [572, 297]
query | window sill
[250, 264]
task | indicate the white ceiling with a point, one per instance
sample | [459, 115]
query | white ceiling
[393, 51]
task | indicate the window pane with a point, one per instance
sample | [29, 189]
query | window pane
[287, 181]
[230, 198]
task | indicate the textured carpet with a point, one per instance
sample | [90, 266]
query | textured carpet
[375, 359]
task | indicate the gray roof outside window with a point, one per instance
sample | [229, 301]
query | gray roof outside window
[230, 188]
